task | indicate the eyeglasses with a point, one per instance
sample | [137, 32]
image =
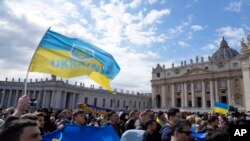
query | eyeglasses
[188, 133]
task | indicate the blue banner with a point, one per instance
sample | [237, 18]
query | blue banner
[83, 133]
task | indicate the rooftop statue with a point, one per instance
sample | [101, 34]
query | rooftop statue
[243, 45]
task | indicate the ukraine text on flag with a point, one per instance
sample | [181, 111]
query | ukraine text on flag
[70, 57]
[220, 108]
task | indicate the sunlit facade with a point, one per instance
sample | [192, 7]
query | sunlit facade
[59, 94]
[198, 84]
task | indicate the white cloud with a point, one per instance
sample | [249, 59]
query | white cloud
[3, 22]
[152, 1]
[135, 3]
[176, 30]
[35, 12]
[234, 6]
[180, 28]
[191, 4]
[106, 26]
[183, 44]
[154, 15]
[209, 47]
[231, 34]
[136, 35]
[196, 27]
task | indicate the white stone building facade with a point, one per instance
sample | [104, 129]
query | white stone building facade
[59, 95]
[198, 84]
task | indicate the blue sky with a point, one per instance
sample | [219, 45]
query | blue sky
[138, 33]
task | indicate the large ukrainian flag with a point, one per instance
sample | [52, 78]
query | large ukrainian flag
[221, 108]
[83, 133]
[70, 57]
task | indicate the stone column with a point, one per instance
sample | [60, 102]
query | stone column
[64, 100]
[39, 99]
[9, 98]
[74, 101]
[172, 95]
[3, 97]
[185, 95]
[44, 98]
[28, 93]
[203, 94]
[192, 94]
[229, 91]
[245, 61]
[163, 96]
[216, 91]
[153, 97]
[16, 98]
[58, 98]
[34, 94]
[246, 80]
[211, 93]
[182, 95]
[53, 99]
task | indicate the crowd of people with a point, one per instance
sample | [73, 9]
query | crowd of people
[18, 124]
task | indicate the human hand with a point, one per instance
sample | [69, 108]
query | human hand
[60, 127]
[22, 105]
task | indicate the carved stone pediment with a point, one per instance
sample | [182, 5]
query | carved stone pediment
[196, 71]
[158, 68]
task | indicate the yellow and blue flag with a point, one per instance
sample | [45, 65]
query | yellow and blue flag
[94, 109]
[70, 57]
[199, 136]
[221, 108]
[83, 133]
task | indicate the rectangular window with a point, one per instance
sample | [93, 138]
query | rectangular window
[111, 103]
[130, 103]
[189, 103]
[169, 88]
[222, 84]
[158, 75]
[124, 103]
[103, 102]
[235, 65]
[118, 103]
[1, 91]
[86, 100]
[197, 85]
[95, 101]
[177, 87]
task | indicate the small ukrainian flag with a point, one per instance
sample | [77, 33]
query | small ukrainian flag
[221, 108]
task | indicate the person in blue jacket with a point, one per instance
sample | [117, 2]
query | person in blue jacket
[173, 116]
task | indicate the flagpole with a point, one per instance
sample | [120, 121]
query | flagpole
[27, 75]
